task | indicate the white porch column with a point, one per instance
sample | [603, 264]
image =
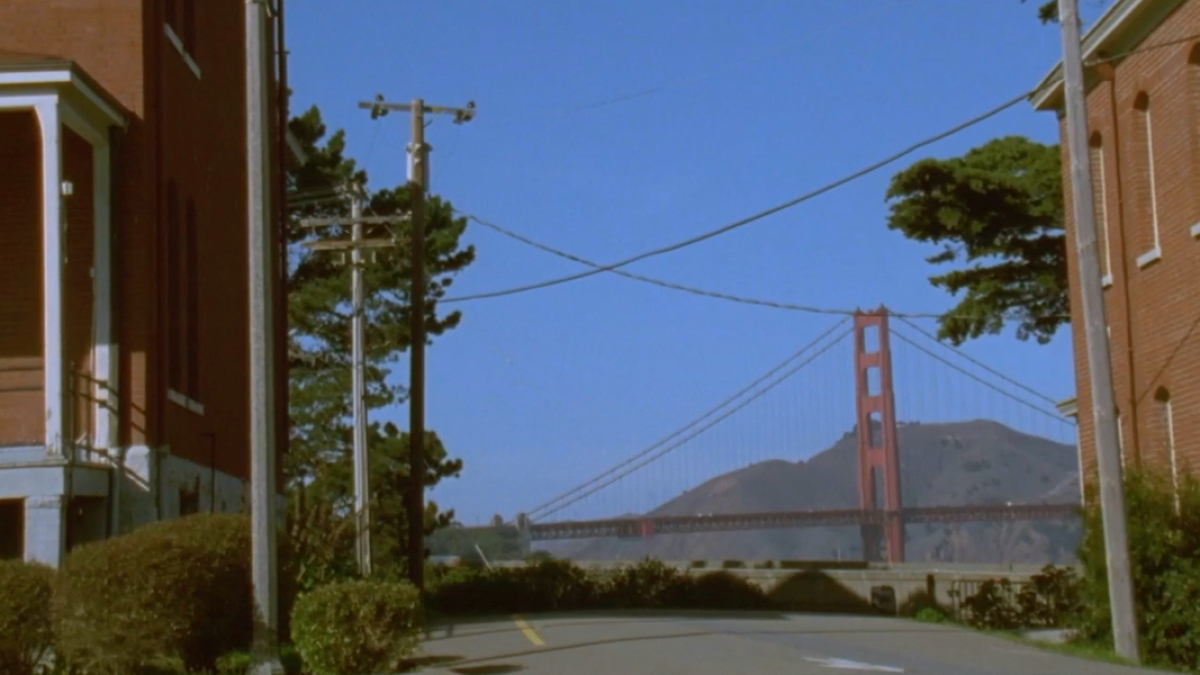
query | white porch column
[103, 334]
[52, 277]
[45, 529]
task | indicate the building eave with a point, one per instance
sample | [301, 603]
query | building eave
[1121, 28]
[62, 74]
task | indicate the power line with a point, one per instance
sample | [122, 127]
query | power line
[750, 219]
[977, 362]
[694, 422]
[702, 429]
[720, 295]
[1035, 407]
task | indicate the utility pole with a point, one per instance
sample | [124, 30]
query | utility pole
[262, 342]
[1108, 453]
[418, 179]
[362, 481]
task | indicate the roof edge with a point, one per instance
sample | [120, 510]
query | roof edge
[39, 71]
[1122, 26]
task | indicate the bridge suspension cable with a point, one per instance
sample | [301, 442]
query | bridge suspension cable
[614, 478]
[977, 362]
[1033, 406]
[711, 411]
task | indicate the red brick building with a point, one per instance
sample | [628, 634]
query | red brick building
[124, 358]
[1142, 71]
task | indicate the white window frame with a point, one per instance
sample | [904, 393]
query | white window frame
[1169, 419]
[174, 39]
[184, 402]
[1107, 279]
[1154, 253]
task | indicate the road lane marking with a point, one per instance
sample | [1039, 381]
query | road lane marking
[845, 664]
[528, 631]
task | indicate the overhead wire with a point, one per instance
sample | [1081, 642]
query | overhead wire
[730, 399]
[775, 304]
[758, 394]
[729, 227]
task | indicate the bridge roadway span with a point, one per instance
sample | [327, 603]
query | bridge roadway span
[644, 527]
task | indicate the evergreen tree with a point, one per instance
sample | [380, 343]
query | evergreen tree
[317, 468]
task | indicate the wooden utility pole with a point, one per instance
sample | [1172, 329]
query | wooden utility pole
[260, 267]
[362, 479]
[1108, 453]
[418, 179]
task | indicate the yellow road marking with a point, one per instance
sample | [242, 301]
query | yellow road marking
[528, 631]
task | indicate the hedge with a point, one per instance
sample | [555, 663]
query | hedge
[174, 590]
[357, 627]
[26, 629]
[558, 585]
[1163, 522]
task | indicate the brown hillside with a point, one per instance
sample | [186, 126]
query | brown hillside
[962, 463]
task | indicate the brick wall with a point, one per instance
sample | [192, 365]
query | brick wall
[78, 293]
[1153, 309]
[203, 152]
[20, 280]
[191, 130]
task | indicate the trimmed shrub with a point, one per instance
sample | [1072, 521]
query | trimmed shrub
[733, 564]
[650, 584]
[355, 627]
[178, 590]
[545, 586]
[26, 629]
[723, 590]
[561, 586]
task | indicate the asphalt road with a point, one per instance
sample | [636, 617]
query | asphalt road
[707, 643]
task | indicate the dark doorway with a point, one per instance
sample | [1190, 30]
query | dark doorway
[12, 529]
[87, 520]
[189, 502]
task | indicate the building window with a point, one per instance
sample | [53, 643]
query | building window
[192, 291]
[1100, 205]
[183, 298]
[1143, 133]
[175, 326]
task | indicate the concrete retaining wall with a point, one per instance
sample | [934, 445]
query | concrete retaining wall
[851, 586]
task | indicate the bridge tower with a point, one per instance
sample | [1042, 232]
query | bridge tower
[878, 461]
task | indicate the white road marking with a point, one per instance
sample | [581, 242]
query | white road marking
[845, 664]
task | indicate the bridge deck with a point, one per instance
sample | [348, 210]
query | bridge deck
[642, 527]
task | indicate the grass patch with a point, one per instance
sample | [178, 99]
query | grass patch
[1085, 650]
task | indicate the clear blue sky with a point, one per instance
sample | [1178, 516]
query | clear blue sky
[760, 101]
